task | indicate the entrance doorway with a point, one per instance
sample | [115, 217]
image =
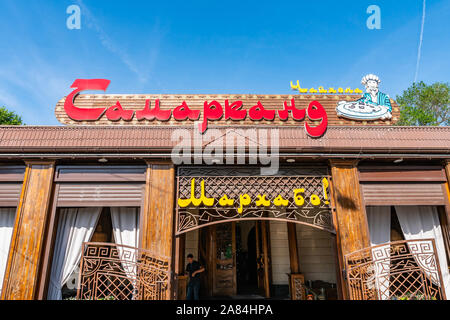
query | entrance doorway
[236, 256]
[247, 258]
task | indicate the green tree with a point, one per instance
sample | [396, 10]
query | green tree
[425, 105]
[9, 117]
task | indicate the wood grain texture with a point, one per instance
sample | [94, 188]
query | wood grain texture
[403, 174]
[266, 256]
[446, 190]
[293, 250]
[447, 169]
[350, 213]
[21, 276]
[196, 102]
[158, 216]
[403, 194]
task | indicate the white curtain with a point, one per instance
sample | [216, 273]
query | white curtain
[75, 226]
[379, 220]
[125, 224]
[7, 217]
[422, 222]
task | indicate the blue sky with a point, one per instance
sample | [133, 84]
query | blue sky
[212, 47]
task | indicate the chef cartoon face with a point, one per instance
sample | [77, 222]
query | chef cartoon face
[372, 87]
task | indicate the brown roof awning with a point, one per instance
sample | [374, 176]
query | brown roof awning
[292, 140]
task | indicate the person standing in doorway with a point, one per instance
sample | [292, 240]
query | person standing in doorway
[193, 269]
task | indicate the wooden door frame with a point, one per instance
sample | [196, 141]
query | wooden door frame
[210, 247]
[265, 233]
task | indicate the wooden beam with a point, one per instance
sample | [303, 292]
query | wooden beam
[446, 189]
[265, 244]
[158, 216]
[22, 271]
[350, 211]
[180, 245]
[447, 169]
[293, 250]
[349, 214]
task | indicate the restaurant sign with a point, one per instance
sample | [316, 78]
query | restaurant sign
[204, 199]
[213, 110]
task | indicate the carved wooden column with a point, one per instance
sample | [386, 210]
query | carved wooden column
[179, 266]
[293, 250]
[265, 234]
[22, 271]
[158, 218]
[447, 171]
[350, 214]
[447, 192]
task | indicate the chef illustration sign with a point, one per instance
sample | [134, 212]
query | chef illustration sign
[374, 105]
[314, 109]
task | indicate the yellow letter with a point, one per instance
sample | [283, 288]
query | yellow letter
[186, 202]
[195, 202]
[280, 202]
[261, 201]
[244, 200]
[315, 200]
[298, 199]
[225, 202]
[326, 184]
[322, 90]
[209, 202]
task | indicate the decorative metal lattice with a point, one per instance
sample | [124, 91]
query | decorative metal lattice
[297, 287]
[238, 182]
[114, 272]
[401, 270]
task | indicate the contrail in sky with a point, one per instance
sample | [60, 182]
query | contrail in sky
[419, 53]
[106, 41]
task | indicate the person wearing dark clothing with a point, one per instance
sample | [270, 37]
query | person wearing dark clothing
[193, 269]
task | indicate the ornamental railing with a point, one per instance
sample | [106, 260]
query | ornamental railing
[297, 286]
[401, 270]
[115, 272]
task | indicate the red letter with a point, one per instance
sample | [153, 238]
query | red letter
[182, 112]
[296, 113]
[151, 114]
[116, 112]
[317, 112]
[234, 111]
[258, 112]
[80, 114]
[211, 111]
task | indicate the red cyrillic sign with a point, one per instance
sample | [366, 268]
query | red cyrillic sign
[212, 110]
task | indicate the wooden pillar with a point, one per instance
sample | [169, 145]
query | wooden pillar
[446, 188]
[350, 215]
[179, 266]
[180, 245]
[293, 251]
[267, 269]
[158, 217]
[447, 169]
[22, 271]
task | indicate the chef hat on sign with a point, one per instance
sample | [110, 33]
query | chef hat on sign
[370, 77]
